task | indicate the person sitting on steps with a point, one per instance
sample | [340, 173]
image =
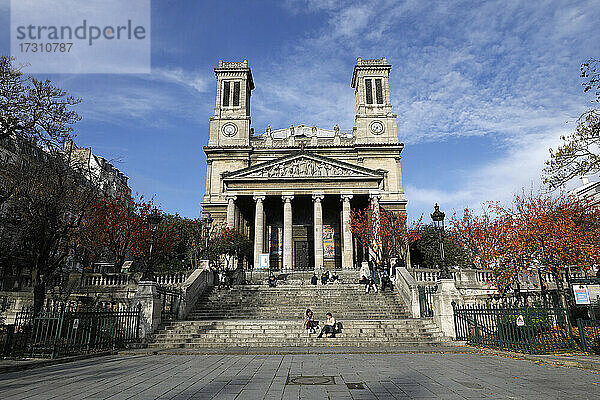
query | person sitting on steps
[334, 277]
[272, 281]
[309, 323]
[329, 326]
[386, 281]
[314, 279]
[324, 277]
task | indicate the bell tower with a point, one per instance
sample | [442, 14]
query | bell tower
[375, 121]
[230, 126]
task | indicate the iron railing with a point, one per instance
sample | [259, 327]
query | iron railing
[60, 332]
[589, 335]
[170, 302]
[528, 329]
[426, 300]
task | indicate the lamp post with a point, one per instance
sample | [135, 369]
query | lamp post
[394, 218]
[438, 221]
[207, 220]
[153, 220]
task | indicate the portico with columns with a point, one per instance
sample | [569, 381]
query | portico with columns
[292, 190]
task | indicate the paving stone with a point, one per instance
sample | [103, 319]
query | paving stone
[386, 376]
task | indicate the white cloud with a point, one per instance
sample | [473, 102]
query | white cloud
[152, 98]
[195, 80]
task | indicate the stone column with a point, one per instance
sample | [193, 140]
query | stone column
[208, 191]
[230, 210]
[443, 312]
[318, 229]
[346, 232]
[237, 218]
[258, 229]
[287, 230]
[147, 300]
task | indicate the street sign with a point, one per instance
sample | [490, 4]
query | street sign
[520, 321]
[75, 323]
[594, 291]
[582, 296]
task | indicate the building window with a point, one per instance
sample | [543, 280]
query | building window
[226, 93]
[236, 94]
[369, 91]
[378, 91]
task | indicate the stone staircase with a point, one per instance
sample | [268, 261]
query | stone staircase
[256, 316]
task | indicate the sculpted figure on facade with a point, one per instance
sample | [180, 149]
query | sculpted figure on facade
[302, 168]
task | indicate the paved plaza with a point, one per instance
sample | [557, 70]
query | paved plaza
[305, 376]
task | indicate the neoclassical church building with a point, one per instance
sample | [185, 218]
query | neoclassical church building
[291, 190]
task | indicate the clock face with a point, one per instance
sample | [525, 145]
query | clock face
[377, 127]
[229, 129]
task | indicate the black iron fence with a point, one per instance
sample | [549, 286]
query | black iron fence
[171, 301]
[529, 329]
[426, 300]
[589, 335]
[55, 333]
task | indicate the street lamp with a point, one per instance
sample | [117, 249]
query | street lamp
[394, 218]
[207, 220]
[438, 222]
[153, 220]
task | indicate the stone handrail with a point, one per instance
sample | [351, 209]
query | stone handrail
[149, 299]
[408, 289]
[193, 287]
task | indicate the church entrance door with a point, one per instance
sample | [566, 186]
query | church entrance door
[302, 260]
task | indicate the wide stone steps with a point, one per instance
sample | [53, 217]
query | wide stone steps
[256, 316]
[252, 333]
[346, 301]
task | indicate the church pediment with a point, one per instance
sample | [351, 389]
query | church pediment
[304, 166]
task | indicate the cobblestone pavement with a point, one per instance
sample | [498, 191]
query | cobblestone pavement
[383, 376]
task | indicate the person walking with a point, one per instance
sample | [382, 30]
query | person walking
[371, 284]
[328, 326]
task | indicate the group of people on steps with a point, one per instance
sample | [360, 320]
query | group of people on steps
[330, 326]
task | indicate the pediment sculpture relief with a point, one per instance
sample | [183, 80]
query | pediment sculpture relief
[302, 168]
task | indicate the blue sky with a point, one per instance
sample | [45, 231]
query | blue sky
[481, 89]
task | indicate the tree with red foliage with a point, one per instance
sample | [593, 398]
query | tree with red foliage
[483, 238]
[554, 232]
[385, 234]
[116, 228]
[551, 232]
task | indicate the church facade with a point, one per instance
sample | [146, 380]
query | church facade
[291, 190]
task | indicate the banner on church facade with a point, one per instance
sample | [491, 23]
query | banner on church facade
[328, 241]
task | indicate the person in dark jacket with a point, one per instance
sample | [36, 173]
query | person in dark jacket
[314, 279]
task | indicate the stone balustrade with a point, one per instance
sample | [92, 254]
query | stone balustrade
[96, 279]
[125, 279]
[483, 279]
[172, 279]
